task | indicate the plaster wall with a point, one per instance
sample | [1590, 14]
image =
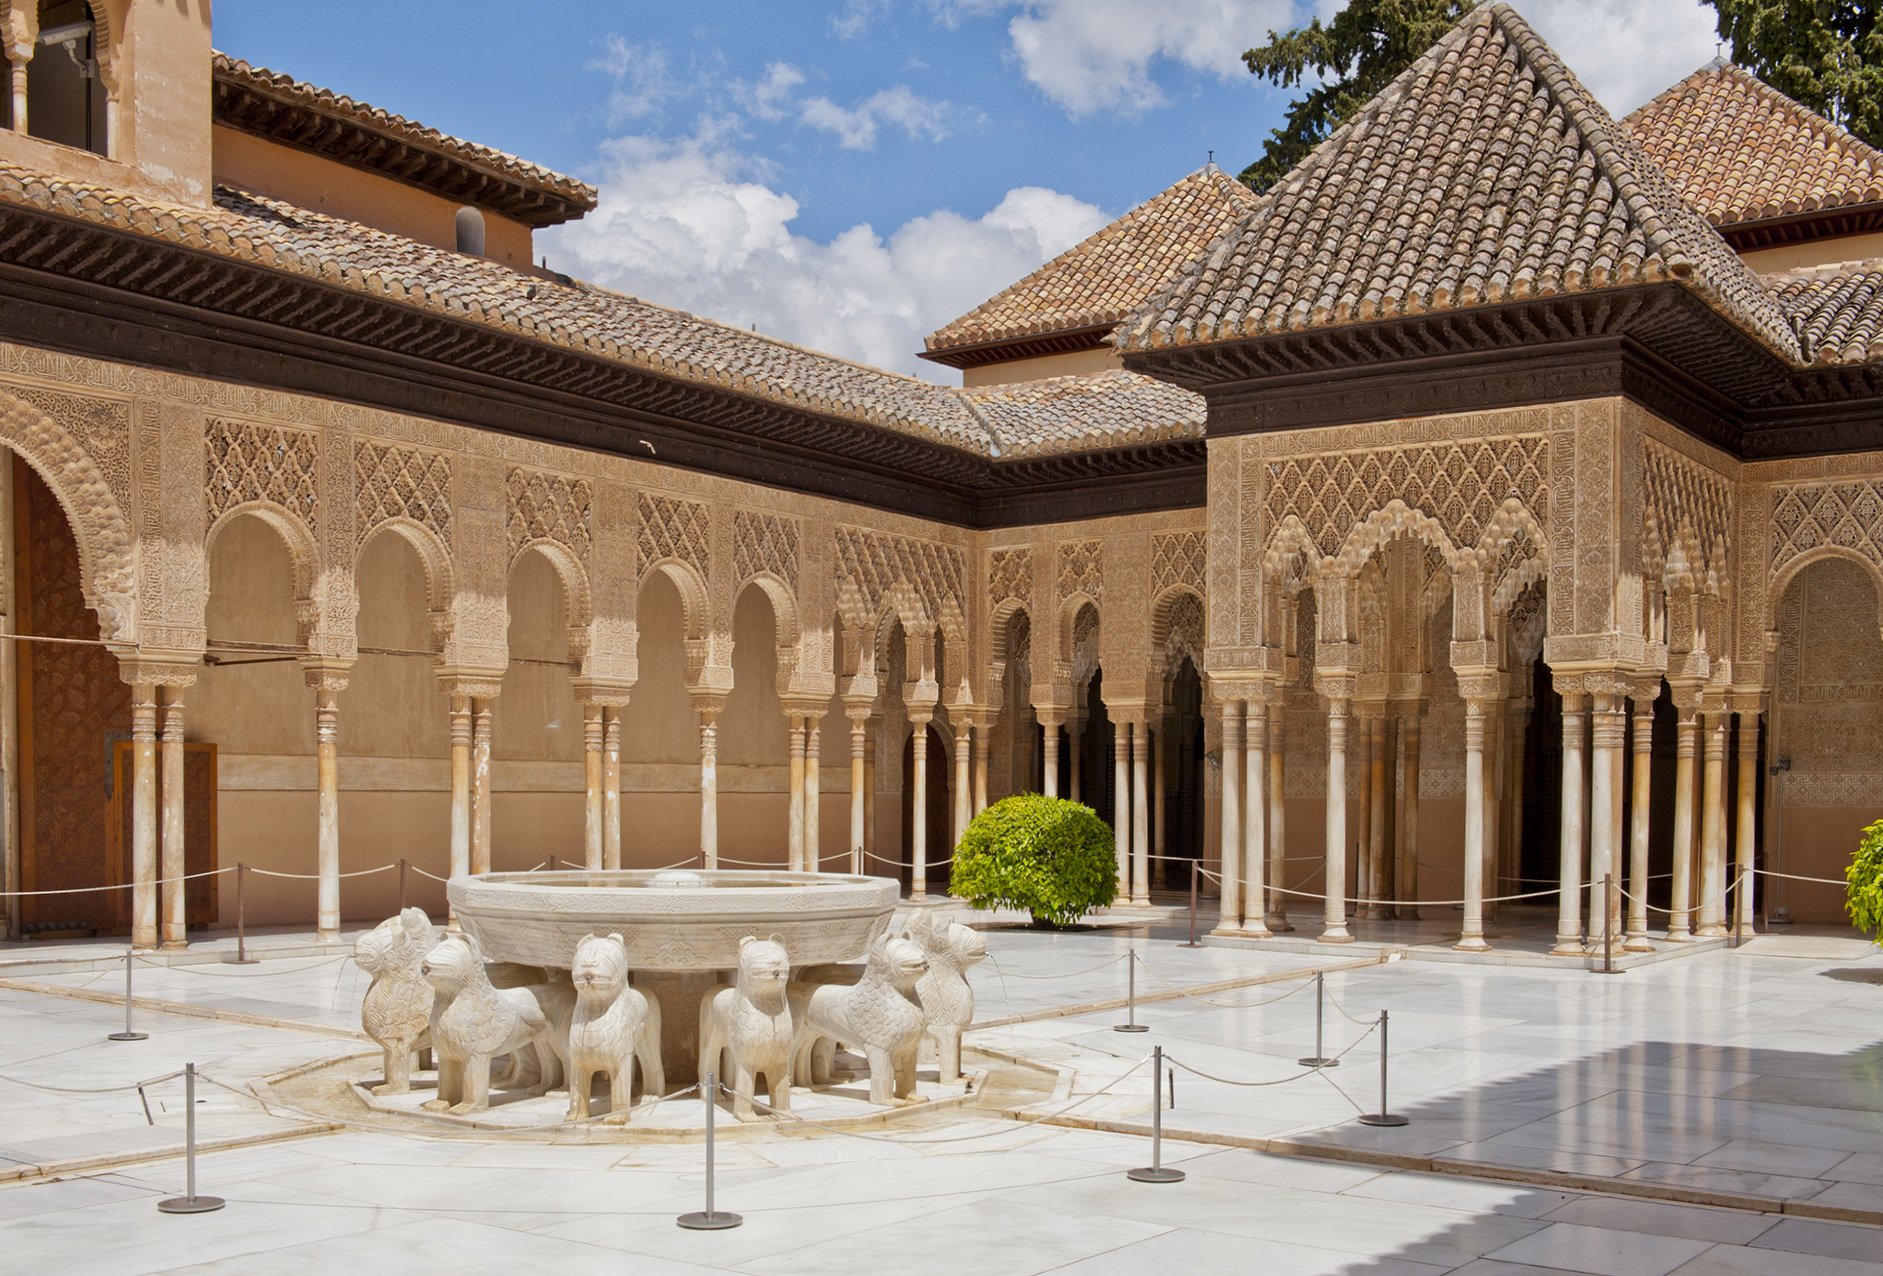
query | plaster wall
[1048, 365]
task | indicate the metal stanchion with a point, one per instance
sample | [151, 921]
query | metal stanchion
[1195, 867]
[1608, 925]
[1155, 1171]
[1131, 1023]
[709, 1219]
[1383, 1116]
[189, 1202]
[241, 938]
[1319, 1059]
[127, 1034]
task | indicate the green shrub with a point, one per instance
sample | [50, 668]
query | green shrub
[1864, 897]
[1051, 857]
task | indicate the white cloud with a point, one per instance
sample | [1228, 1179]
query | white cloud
[679, 223]
[770, 97]
[856, 17]
[856, 128]
[642, 79]
[1624, 51]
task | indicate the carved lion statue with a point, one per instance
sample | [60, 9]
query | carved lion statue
[397, 1010]
[878, 1015]
[613, 1026]
[750, 1021]
[952, 950]
[475, 1021]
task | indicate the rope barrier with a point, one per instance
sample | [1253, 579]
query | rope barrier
[1071, 974]
[110, 1089]
[1253, 1085]
[1794, 877]
[315, 877]
[208, 968]
[119, 886]
[1307, 981]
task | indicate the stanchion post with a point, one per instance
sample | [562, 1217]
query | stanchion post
[1384, 1116]
[241, 936]
[1608, 925]
[189, 1202]
[709, 1219]
[1155, 1171]
[1319, 1058]
[1131, 1023]
[1195, 865]
[127, 1034]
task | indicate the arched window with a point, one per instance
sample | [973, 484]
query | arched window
[470, 232]
[65, 95]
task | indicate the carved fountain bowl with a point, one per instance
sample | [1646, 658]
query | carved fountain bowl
[673, 920]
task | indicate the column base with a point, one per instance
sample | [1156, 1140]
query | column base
[1335, 935]
[1710, 932]
[327, 936]
[174, 945]
[1679, 937]
[1471, 944]
[1637, 944]
[1279, 924]
[1570, 947]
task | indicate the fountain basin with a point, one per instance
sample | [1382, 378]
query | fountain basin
[673, 921]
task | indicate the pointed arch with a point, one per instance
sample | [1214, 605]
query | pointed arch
[433, 556]
[1784, 576]
[1395, 518]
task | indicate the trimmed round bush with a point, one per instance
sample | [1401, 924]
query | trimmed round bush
[1864, 896]
[1052, 857]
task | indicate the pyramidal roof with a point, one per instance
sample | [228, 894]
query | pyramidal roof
[1742, 151]
[1101, 280]
[1484, 174]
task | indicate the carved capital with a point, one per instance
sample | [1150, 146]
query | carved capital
[141, 670]
[607, 693]
[327, 675]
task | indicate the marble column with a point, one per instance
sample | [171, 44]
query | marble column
[143, 815]
[1254, 818]
[1745, 847]
[794, 818]
[593, 835]
[1334, 911]
[1493, 777]
[1680, 901]
[327, 688]
[460, 792]
[17, 62]
[813, 781]
[1409, 824]
[1569, 882]
[174, 862]
[859, 716]
[869, 794]
[1140, 815]
[1277, 920]
[1121, 802]
[983, 733]
[1230, 838]
[1377, 789]
[1606, 738]
[611, 787]
[1712, 907]
[480, 784]
[1049, 752]
[964, 777]
[708, 707]
[1075, 785]
[1640, 796]
[1159, 799]
[918, 788]
[1471, 936]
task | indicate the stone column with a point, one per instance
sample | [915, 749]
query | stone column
[1409, 824]
[1377, 789]
[1712, 909]
[794, 819]
[611, 787]
[1159, 797]
[1140, 815]
[859, 715]
[813, 779]
[1363, 810]
[1569, 885]
[328, 683]
[1230, 838]
[1641, 794]
[708, 707]
[1680, 889]
[1745, 847]
[174, 864]
[143, 815]
[983, 733]
[1049, 752]
[1075, 786]
[1121, 802]
[1512, 872]
[1471, 936]
[918, 808]
[1277, 820]
[869, 793]
[964, 776]
[1493, 753]
[1334, 911]
[480, 784]
[1606, 738]
[460, 792]
[593, 812]
[1254, 822]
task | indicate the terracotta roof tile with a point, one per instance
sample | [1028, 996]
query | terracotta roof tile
[1106, 276]
[1484, 174]
[1742, 151]
[1094, 410]
[1837, 309]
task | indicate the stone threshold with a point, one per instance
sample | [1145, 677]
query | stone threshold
[20, 1173]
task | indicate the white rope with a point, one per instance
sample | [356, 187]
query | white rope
[1307, 978]
[316, 877]
[1176, 1062]
[110, 1089]
[119, 886]
[1070, 974]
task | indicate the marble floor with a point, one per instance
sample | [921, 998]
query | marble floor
[1753, 1077]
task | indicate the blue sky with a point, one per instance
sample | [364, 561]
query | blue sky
[852, 173]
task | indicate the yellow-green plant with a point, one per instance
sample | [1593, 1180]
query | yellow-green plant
[1051, 857]
[1864, 895]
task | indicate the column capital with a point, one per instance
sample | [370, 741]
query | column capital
[158, 669]
[326, 674]
[478, 683]
[608, 693]
[707, 701]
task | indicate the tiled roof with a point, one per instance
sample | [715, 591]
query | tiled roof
[609, 325]
[1102, 279]
[303, 114]
[1484, 174]
[1839, 310]
[1079, 413]
[1742, 151]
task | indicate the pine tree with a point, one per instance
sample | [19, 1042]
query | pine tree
[1354, 56]
[1827, 54]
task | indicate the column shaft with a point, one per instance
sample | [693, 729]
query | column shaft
[1746, 830]
[1121, 803]
[1140, 815]
[1049, 758]
[592, 835]
[983, 731]
[1334, 910]
[794, 818]
[611, 787]
[813, 810]
[1277, 921]
[1712, 907]
[460, 792]
[1160, 865]
[480, 785]
[709, 786]
[1569, 881]
[918, 813]
[859, 731]
[327, 741]
[1254, 818]
[174, 862]
[1641, 793]
[1471, 937]
[1230, 838]
[964, 778]
[869, 795]
[144, 815]
[1680, 901]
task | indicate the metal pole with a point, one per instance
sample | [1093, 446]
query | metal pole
[1319, 1058]
[709, 1219]
[241, 943]
[1383, 1116]
[189, 1202]
[1131, 1023]
[1195, 865]
[1155, 1171]
[127, 1034]
[1608, 925]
